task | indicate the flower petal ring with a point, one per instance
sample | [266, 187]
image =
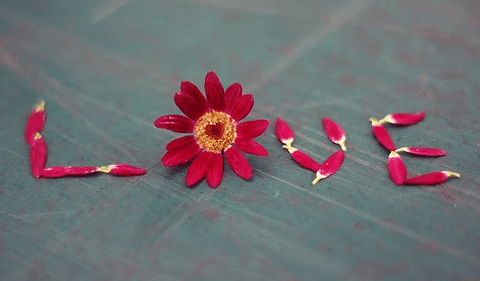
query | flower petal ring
[214, 124]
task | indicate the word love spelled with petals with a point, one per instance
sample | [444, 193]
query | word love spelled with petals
[216, 131]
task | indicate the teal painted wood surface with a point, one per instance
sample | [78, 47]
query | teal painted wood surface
[108, 68]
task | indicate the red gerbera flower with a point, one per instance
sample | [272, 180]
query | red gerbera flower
[214, 124]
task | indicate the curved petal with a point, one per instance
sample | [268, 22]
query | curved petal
[252, 129]
[242, 107]
[192, 90]
[215, 173]
[238, 163]
[188, 105]
[176, 123]
[231, 95]
[199, 167]
[251, 147]
[214, 92]
[180, 142]
[181, 155]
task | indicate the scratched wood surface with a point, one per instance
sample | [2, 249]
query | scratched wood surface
[108, 68]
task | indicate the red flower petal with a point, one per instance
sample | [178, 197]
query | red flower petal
[80, 170]
[251, 129]
[330, 166]
[304, 160]
[396, 168]
[215, 174]
[238, 163]
[189, 105]
[283, 131]
[382, 135]
[242, 107]
[176, 123]
[38, 155]
[199, 167]
[251, 147]
[181, 155]
[404, 118]
[125, 170]
[57, 172]
[214, 91]
[180, 142]
[231, 95]
[35, 122]
[423, 151]
[192, 90]
[432, 178]
[334, 132]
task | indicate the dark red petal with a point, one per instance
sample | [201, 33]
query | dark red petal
[251, 129]
[214, 91]
[423, 151]
[58, 172]
[334, 132]
[332, 163]
[125, 170]
[251, 147]
[215, 174]
[199, 167]
[330, 166]
[192, 90]
[80, 171]
[231, 95]
[38, 155]
[242, 107]
[305, 160]
[180, 142]
[431, 178]
[35, 122]
[54, 172]
[238, 163]
[404, 118]
[181, 155]
[283, 131]
[383, 137]
[396, 168]
[189, 105]
[176, 123]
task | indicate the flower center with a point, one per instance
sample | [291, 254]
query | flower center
[215, 131]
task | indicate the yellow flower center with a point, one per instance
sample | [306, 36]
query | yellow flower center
[215, 131]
